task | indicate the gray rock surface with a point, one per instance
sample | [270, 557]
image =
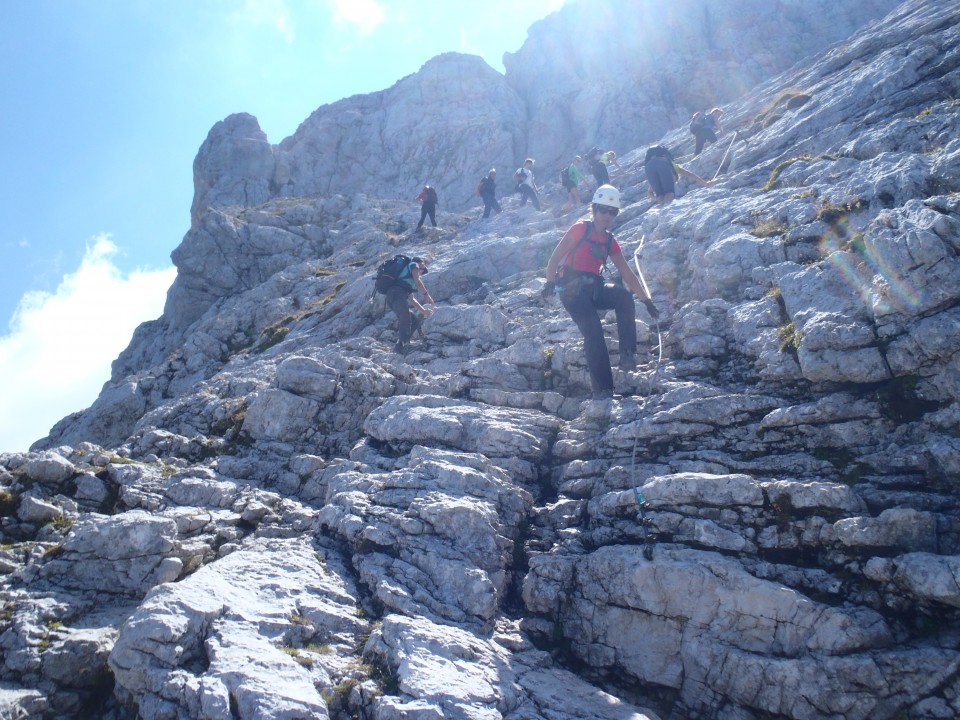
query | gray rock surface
[269, 513]
[555, 100]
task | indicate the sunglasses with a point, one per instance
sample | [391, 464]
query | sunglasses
[607, 210]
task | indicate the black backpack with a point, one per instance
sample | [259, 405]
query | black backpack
[391, 272]
[698, 121]
[657, 151]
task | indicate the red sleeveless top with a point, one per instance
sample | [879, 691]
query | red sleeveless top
[589, 256]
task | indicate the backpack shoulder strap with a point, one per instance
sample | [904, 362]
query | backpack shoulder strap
[588, 231]
[405, 274]
[607, 249]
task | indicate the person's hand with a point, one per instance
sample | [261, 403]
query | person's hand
[651, 308]
[427, 312]
[548, 290]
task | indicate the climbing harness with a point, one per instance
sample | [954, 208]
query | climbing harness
[724, 158]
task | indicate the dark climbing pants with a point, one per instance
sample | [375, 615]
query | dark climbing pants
[397, 300]
[702, 135]
[528, 192]
[490, 203]
[428, 209]
[583, 295]
[600, 173]
[660, 175]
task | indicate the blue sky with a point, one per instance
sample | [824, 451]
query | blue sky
[103, 106]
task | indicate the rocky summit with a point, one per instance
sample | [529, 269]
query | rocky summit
[269, 513]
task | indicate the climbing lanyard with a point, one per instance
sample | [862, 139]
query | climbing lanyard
[641, 503]
[724, 158]
[648, 538]
[646, 289]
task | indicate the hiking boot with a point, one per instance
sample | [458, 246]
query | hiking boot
[400, 348]
[628, 361]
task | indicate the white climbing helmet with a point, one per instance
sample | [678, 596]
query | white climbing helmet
[607, 195]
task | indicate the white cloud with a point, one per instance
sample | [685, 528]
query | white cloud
[57, 353]
[365, 15]
[268, 12]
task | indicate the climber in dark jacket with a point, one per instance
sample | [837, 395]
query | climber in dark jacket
[429, 201]
[488, 193]
[705, 128]
[662, 174]
[400, 296]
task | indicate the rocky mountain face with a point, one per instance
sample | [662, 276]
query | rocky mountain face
[616, 74]
[269, 514]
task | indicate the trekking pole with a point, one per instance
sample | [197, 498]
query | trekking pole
[736, 134]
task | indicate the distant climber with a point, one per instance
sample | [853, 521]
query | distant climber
[600, 164]
[399, 279]
[663, 173]
[428, 205]
[706, 127]
[570, 178]
[526, 184]
[487, 190]
[592, 157]
[575, 267]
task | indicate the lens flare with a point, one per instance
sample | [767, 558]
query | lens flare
[866, 271]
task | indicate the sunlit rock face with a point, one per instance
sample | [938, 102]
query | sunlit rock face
[619, 74]
[269, 513]
[446, 125]
[615, 74]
